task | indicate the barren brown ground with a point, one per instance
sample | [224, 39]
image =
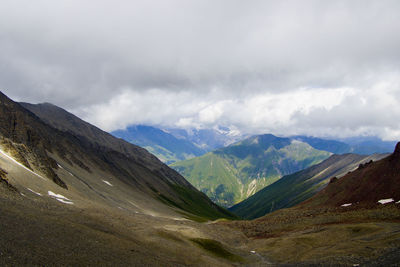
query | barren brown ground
[334, 236]
[46, 233]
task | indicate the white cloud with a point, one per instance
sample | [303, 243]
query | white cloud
[339, 112]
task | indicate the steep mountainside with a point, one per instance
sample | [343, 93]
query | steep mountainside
[165, 146]
[91, 164]
[297, 187]
[231, 174]
[370, 183]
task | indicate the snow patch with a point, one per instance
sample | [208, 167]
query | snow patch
[59, 166]
[37, 193]
[60, 198]
[253, 251]
[52, 194]
[20, 164]
[385, 201]
[107, 182]
[346, 205]
[65, 201]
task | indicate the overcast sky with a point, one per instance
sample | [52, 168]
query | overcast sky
[322, 68]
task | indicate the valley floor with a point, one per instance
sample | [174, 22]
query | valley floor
[327, 236]
[47, 233]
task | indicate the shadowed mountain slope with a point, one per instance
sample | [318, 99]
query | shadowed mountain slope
[297, 187]
[231, 174]
[365, 186]
[88, 161]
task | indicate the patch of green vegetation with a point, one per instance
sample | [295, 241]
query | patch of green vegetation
[216, 248]
[212, 174]
[196, 204]
[162, 154]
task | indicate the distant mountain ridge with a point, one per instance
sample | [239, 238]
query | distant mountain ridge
[358, 145]
[233, 173]
[208, 139]
[164, 145]
[173, 144]
[369, 144]
[333, 146]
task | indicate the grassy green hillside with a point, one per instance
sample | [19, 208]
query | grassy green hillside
[297, 187]
[229, 175]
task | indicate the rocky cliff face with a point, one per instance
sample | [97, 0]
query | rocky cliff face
[24, 137]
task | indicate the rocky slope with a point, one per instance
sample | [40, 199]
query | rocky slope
[372, 183]
[297, 187]
[91, 164]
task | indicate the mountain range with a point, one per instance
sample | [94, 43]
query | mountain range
[74, 195]
[208, 139]
[164, 145]
[172, 145]
[231, 174]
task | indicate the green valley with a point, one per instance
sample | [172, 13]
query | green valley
[231, 174]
